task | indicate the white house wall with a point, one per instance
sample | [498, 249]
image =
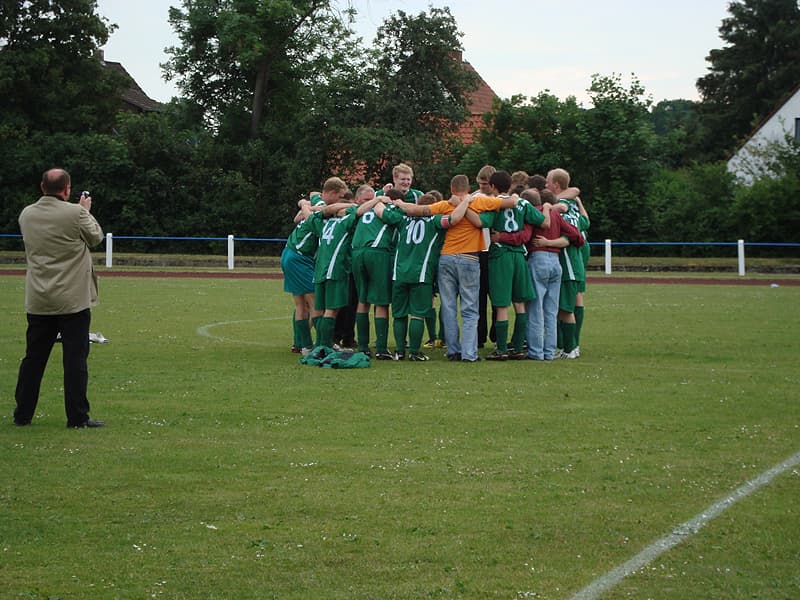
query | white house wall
[747, 162]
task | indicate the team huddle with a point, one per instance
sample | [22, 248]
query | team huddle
[523, 238]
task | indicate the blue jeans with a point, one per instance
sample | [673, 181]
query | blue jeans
[459, 277]
[543, 310]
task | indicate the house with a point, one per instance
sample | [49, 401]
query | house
[479, 102]
[751, 158]
[132, 98]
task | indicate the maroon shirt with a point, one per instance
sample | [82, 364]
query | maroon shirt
[558, 227]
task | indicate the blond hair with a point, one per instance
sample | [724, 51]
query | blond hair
[485, 173]
[559, 177]
[334, 184]
[402, 168]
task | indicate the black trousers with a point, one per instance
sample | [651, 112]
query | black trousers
[40, 338]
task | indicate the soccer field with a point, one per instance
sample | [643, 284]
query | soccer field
[229, 470]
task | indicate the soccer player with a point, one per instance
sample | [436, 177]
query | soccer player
[509, 276]
[402, 176]
[333, 225]
[543, 250]
[572, 267]
[297, 264]
[373, 250]
[484, 329]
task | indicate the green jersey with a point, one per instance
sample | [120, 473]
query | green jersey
[372, 232]
[411, 196]
[511, 220]
[419, 243]
[302, 240]
[333, 255]
[573, 266]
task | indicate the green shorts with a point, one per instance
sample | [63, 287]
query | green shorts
[510, 279]
[566, 298]
[413, 299]
[332, 294]
[372, 272]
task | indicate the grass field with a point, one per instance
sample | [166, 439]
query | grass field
[229, 470]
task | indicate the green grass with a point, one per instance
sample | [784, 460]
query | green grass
[229, 470]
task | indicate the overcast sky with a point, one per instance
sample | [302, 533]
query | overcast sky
[518, 46]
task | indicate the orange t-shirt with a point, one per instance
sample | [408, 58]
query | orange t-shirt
[464, 236]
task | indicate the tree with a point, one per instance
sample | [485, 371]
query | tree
[50, 77]
[533, 134]
[421, 86]
[614, 157]
[677, 125]
[747, 77]
[243, 61]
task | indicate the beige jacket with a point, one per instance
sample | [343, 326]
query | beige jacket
[57, 236]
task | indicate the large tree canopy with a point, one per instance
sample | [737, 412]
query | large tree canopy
[242, 60]
[759, 66]
[51, 78]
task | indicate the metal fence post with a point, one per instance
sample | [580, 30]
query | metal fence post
[230, 252]
[109, 250]
[608, 257]
[740, 246]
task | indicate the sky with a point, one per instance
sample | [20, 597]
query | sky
[517, 46]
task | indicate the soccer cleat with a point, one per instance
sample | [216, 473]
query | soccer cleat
[497, 355]
[440, 344]
[296, 349]
[418, 357]
[559, 353]
[518, 354]
[305, 351]
[384, 356]
[399, 355]
[430, 344]
[577, 350]
[575, 353]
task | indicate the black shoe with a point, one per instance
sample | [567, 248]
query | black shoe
[454, 357]
[89, 423]
[474, 360]
[21, 423]
[384, 356]
[399, 355]
[418, 357]
[497, 355]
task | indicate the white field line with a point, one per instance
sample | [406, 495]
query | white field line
[604, 583]
[205, 330]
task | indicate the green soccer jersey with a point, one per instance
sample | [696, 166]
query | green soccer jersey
[333, 255]
[419, 243]
[302, 240]
[573, 265]
[511, 220]
[372, 232]
[411, 196]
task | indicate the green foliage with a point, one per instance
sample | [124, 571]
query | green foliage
[770, 209]
[50, 76]
[615, 158]
[694, 204]
[749, 76]
[678, 127]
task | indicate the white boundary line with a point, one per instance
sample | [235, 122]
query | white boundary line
[205, 330]
[604, 583]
